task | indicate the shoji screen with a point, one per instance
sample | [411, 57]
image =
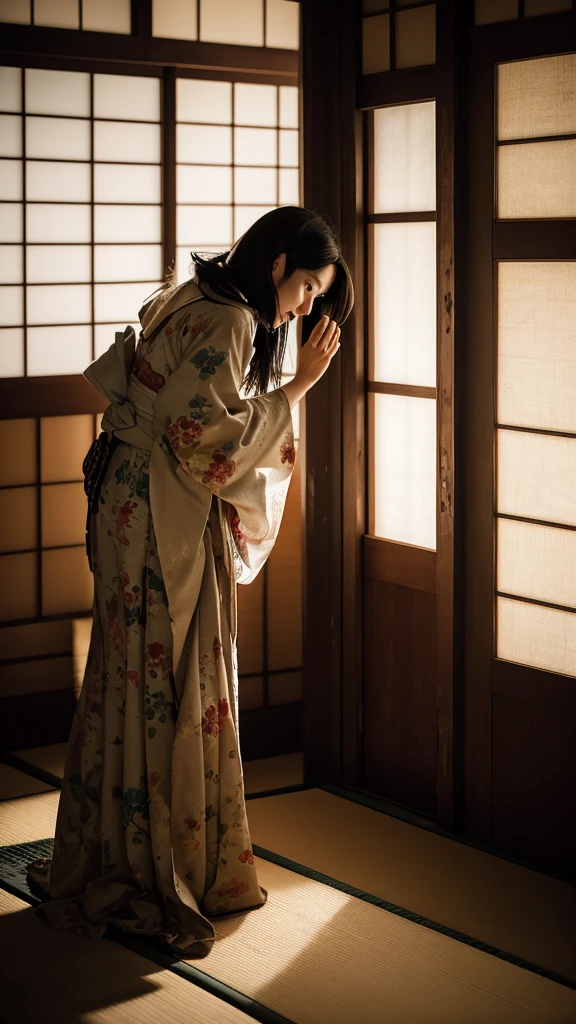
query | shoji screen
[536, 373]
[402, 325]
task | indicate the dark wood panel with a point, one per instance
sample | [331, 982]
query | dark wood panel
[533, 686]
[36, 719]
[534, 768]
[534, 240]
[284, 584]
[267, 732]
[70, 395]
[131, 49]
[400, 691]
[402, 564]
[411, 390]
[386, 88]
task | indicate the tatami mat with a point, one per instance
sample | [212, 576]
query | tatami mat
[519, 911]
[34, 817]
[50, 758]
[14, 783]
[52, 977]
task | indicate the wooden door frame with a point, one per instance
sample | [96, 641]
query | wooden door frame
[335, 541]
[488, 241]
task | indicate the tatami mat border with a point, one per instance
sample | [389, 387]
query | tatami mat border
[376, 803]
[150, 951]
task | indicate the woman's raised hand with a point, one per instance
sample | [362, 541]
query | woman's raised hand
[314, 358]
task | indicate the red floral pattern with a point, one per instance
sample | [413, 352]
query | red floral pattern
[288, 453]
[146, 375]
[239, 537]
[158, 662]
[184, 433]
[212, 720]
[246, 857]
[220, 470]
[233, 889]
[123, 513]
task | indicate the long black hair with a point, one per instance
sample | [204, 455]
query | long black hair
[309, 243]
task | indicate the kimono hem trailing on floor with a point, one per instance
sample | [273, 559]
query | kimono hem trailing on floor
[151, 834]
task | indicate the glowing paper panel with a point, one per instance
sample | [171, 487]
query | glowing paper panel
[209, 184]
[203, 144]
[120, 301]
[202, 100]
[288, 148]
[289, 187]
[405, 158]
[64, 441]
[58, 350]
[289, 104]
[106, 16]
[17, 452]
[18, 591]
[282, 24]
[11, 222]
[12, 352]
[17, 519]
[536, 476]
[535, 635]
[127, 262]
[255, 146]
[213, 224]
[57, 138]
[405, 303]
[58, 304]
[537, 561]
[404, 469]
[57, 92]
[10, 135]
[255, 185]
[376, 44]
[67, 583]
[537, 179]
[126, 143]
[174, 19]
[127, 97]
[11, 305]
[537, 345]
[104, 333]
[127, 223]
[227, 21]
[57, 222]
[127, 183]
[57, 13]
[53, 181]
[11, 264]
[10, 179]
[255, 104]
[58, 529]
[10, 89]
[528, 92]
[54, 264]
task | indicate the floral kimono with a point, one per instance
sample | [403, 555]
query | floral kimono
[151, 834]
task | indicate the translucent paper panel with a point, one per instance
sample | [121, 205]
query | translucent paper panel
[532, 635]
[255, 104]
[245, 216]
[255, 185]
[18, 519]
[376, 44]
[255, 146]
[404, 468]
[537, 345]
[67, 583]
[127, 262]
[227, 21]
[536, 476]
[127, 97]
[56, 222]
[63, 514]
[405, 158]
[52, 264]
[127, 224]
[416, 37]
[53, 180]
[10, 89]
[104, 333]
[529, 93]
[11, 179]
[120, 301]
[11, 222]
[203, 144]
[404, 303]
[201, 100]
[11, 264]
[58, 304]
[57, 92]
[174, 19]
[11, 305]
[127, 183]
[536, 561]
[127, 143]
[288, 148]
[537, 180]
[208, 224]
[10, 135]
[106, 16]
[17, 452]
[12, 352]
[289, 187]
[58, 138]
[58, 350]
[18, 591]
[535, 7]
[289, 103]
[282, 24]
[57, 13]
[210, 184]
[64, 441]
[488, 11]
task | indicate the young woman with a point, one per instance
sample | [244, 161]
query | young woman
[152, 834]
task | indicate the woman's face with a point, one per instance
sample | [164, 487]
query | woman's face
[297, 294]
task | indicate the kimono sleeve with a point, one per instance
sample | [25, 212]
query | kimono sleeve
[241, 449]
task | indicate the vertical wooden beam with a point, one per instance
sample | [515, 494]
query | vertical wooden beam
[450, 127]
[326, 84]
[168, 169]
